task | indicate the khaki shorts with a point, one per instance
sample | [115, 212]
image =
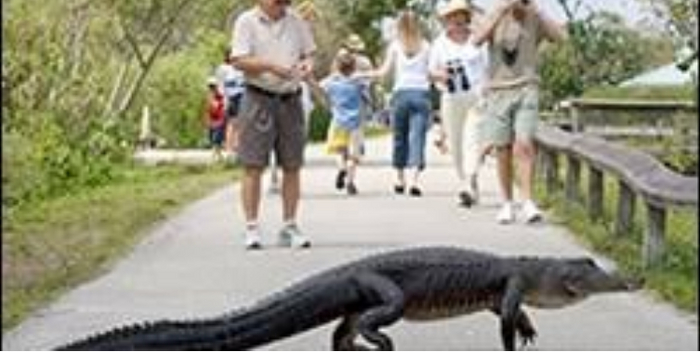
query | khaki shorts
[510, 114]
[270, 123]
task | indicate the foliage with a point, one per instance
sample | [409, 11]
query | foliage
[320, 119]
[674, 279]
[680, 19]
[52, 245]
[76, 74]
[684, 92]
[600, 50]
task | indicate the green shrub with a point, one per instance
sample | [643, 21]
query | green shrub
[319, 121]
[684, 92]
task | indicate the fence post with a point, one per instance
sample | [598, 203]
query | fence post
[596, 193]
[626, 201]
[653, 247]
[573, 176]
[550, 166]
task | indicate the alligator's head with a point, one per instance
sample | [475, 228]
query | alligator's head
[562, 282]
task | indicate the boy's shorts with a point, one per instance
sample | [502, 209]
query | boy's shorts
[216, 136]
[510, 114]
[341, 140]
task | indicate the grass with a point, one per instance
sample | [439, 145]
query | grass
[674, 279]
[51, 246]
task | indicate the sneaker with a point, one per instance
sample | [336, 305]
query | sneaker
[506, 215]
[340, 179]
[252, 238]
[290, 236]
[352, 189]
[531, 213]
[466, 199]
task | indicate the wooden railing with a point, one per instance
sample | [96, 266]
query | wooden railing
[651, 111]
[637, 174]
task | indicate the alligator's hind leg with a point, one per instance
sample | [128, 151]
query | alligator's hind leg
[344, 335]
[387, 304]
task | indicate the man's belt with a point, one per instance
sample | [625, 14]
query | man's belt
[273, 95]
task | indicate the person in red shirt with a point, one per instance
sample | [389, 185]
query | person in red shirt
[215, 117]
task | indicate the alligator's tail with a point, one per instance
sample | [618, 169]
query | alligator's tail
[297, 309]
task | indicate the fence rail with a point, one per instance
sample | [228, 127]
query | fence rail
[646, 109]
[637, 173]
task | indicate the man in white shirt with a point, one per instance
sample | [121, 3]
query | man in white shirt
[273, 47]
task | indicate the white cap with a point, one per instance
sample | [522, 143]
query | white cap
[447, 8]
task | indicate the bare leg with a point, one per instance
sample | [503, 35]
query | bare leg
[400, 178]
[291, 190]
[232, 136]
[505, 171]
[525, 154]
[250, 191]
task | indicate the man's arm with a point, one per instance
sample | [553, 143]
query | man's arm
[553, 31]
[317, 91]
[485, 31]
[256, 66]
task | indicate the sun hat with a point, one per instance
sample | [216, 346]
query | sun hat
[355, 43]
[211, 81]
[452, 6]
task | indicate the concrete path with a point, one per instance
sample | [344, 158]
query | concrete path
[194, 265]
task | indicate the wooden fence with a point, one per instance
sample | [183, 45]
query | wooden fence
[651, 112]
[637, 174]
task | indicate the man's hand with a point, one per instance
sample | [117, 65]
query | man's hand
[303, 70]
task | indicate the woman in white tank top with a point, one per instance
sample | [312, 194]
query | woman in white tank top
[408, 54]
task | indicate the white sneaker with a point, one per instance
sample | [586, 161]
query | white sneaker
[290, 236]
[531, 213]
[507, 214]
[252, 238]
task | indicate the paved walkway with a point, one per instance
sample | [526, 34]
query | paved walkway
[193, 265]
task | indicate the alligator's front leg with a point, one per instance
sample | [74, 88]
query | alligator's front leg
[523, 326]
[510, 309]
[385, 304]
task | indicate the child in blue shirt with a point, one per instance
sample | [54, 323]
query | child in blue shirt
[342, 94]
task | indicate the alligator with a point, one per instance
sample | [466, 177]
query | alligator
[422, 284]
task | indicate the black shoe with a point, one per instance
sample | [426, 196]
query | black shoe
[352, 190]
[398, 189]
[466, 199]
[415, 192]
[340, 179]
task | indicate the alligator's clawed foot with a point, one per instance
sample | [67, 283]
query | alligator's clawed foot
[527, 336]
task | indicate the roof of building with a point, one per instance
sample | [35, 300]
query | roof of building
[667, 75]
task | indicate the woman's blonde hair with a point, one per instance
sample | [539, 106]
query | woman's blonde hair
[409, 32]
